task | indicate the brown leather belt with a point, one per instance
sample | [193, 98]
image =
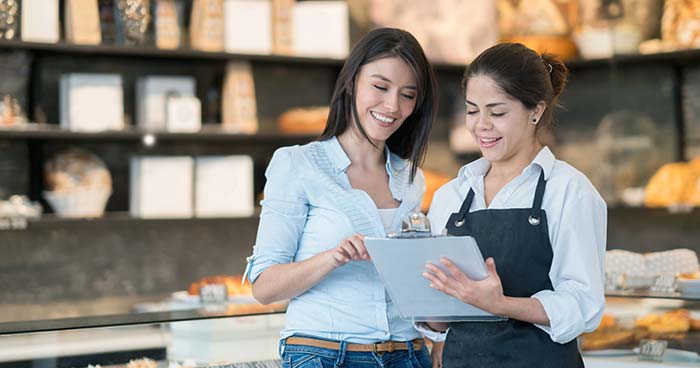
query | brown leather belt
[380, 347]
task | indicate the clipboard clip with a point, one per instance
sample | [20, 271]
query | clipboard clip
[414, 225]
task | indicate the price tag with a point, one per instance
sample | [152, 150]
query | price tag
[614, 280]
[665, 284]
[213, 294]
[652, 349]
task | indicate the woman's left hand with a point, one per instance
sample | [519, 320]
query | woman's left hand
[486, 294]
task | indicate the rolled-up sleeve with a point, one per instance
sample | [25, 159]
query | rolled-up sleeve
[284, 210]
[578, 268]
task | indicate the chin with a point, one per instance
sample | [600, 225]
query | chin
[378, 136]
[492, 156]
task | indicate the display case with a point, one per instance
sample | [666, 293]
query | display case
[215, 335]
[645, 330]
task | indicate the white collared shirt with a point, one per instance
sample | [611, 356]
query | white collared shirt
[577, 224]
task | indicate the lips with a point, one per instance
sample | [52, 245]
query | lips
[488, 142]
[382, 119]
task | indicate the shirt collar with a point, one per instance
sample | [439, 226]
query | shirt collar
[341, 161]
[337, 155]
[545, 160]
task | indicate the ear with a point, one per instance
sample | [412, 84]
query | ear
[539, 110]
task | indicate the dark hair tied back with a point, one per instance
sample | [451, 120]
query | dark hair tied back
[523, 74]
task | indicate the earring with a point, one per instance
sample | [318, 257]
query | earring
[534, 121]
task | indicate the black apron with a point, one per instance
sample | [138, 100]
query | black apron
[518, 240]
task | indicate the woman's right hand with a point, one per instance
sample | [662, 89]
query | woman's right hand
[349, 249]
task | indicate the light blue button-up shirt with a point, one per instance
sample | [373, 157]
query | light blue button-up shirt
[309, 207]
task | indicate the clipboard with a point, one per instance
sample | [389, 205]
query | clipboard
[400, 263]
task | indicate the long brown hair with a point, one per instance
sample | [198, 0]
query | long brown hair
[410, 141]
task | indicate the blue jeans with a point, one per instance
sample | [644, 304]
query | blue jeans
[302, 356]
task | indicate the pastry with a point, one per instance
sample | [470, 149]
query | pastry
[607, 322]
[670, 325]
[233, 285]
[695, 324]
[606, 339]
[310, 120]
[142, 363]
[669, 185]
[680, 24]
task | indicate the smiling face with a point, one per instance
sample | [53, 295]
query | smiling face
[385, 95]
[499, 123]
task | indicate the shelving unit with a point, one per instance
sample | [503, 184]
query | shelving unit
[208, 133]
[127, 248]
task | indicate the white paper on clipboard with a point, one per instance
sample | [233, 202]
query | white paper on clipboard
[401, 263]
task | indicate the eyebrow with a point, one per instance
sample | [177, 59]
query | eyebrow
[493, 104]
[389, 80]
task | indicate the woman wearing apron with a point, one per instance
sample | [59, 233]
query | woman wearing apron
[359, 179]
[539, 222]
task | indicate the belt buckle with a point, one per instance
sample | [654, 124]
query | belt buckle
[390, 348]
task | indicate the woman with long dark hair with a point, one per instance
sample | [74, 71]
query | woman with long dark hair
[359, 179]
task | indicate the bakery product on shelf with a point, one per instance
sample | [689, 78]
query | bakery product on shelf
[598, 340]
[78, 183]
[689, 276]
[670, 325]
[233, 284]
[679, 24]
[669, 185]
[303, 120]
[608, 335]
[692, 195]
[607, 322]
[142, 363]
[695, 324]
[562, 46]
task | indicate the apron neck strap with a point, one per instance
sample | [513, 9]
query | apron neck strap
[536, 205]
[467, 204]
[539, 192]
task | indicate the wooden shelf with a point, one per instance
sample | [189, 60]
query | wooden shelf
[121, 217]
[681, 57]
[650, 295]
[155, 53]
[209, 132]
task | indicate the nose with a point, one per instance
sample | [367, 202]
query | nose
[483, 122]
[391, 102]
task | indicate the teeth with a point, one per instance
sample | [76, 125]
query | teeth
[489, 140]
[382, 118]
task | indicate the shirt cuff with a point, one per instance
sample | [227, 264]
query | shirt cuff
[564, 314]
[431, 334]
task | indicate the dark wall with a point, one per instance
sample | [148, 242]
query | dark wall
[57, 260]
[652, 230]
